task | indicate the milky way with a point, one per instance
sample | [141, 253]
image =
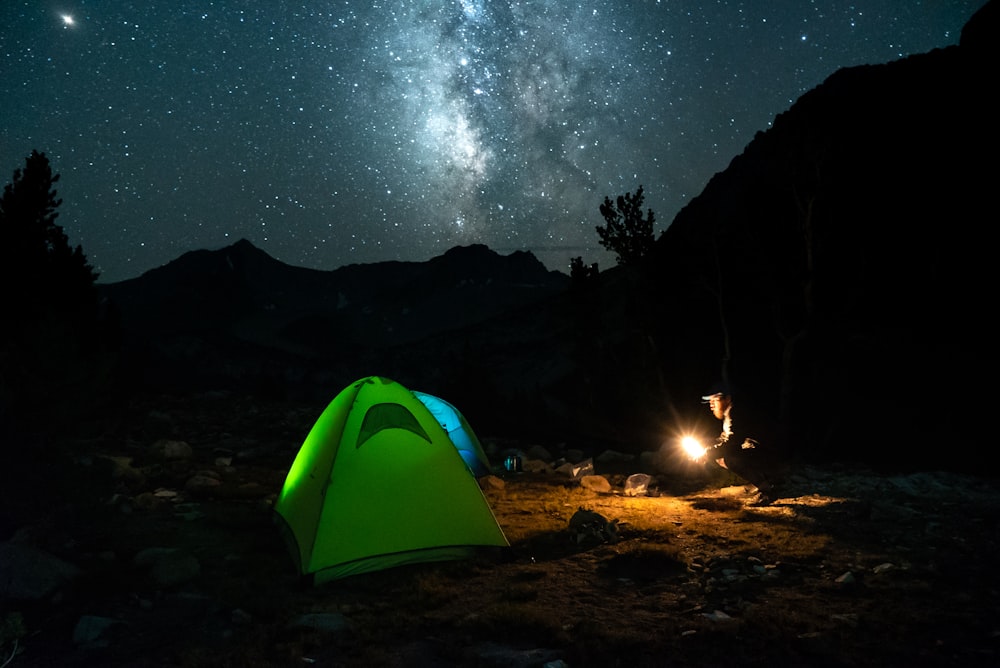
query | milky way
[331, 133]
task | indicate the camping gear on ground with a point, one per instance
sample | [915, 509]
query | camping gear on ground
[513, 463]
[379, 482]
[589, 526]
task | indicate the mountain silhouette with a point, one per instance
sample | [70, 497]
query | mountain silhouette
[839, 271]
[223, 318]
[840, 265]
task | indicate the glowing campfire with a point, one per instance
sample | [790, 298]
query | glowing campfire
[693, 448]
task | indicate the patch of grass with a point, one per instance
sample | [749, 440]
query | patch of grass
[778, 535]
[595, 642]
[431, 589]
[519, 593]
[645, 562]
[516, 622]
[12, 630]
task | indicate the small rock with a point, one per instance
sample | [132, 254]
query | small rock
[241, 617]
[595, 483]
[846, 579]
[613, 456]
[322, 621]
[850, 619]
[171, 450]
[202, 483]
[147, 501]
[92, 631]
[492, 482]
[31, 574]
[539, 452]
[535, 466]
[124, 472]
[168, 566]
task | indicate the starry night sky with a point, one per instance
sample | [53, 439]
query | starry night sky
[340, 132]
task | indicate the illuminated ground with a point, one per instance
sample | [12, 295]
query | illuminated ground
[849, 569]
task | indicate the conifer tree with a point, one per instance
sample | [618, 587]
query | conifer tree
[48, 300]
[39, 271]
[626, 233]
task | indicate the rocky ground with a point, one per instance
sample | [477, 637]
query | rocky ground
[153, 545]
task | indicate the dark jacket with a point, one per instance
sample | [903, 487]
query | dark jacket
[741, 427]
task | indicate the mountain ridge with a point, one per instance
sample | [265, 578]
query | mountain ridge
[838, 266]
[209, 306]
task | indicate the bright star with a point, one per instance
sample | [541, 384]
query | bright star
[67, 20]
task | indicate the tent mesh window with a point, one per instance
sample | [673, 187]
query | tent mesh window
[389, 416]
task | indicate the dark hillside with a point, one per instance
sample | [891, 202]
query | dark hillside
[849, 249]
[236, 318]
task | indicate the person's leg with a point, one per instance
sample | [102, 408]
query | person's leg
[749, 465]
[720, 476]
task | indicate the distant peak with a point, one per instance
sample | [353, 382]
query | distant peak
[471, 250]
[244, 244]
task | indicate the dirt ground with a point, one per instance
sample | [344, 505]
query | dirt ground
[848, 568]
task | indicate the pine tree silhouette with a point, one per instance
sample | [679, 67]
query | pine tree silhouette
[625, 232]
[47, 296]
[38, 269]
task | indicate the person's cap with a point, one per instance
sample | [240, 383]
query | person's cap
[718, 388]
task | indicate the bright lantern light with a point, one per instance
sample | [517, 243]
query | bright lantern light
[693, 447]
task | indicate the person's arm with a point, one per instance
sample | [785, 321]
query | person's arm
[744, 432]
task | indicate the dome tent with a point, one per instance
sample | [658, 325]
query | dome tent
[459, 432]
[378, 483]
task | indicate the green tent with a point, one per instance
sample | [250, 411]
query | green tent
[378, 483]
